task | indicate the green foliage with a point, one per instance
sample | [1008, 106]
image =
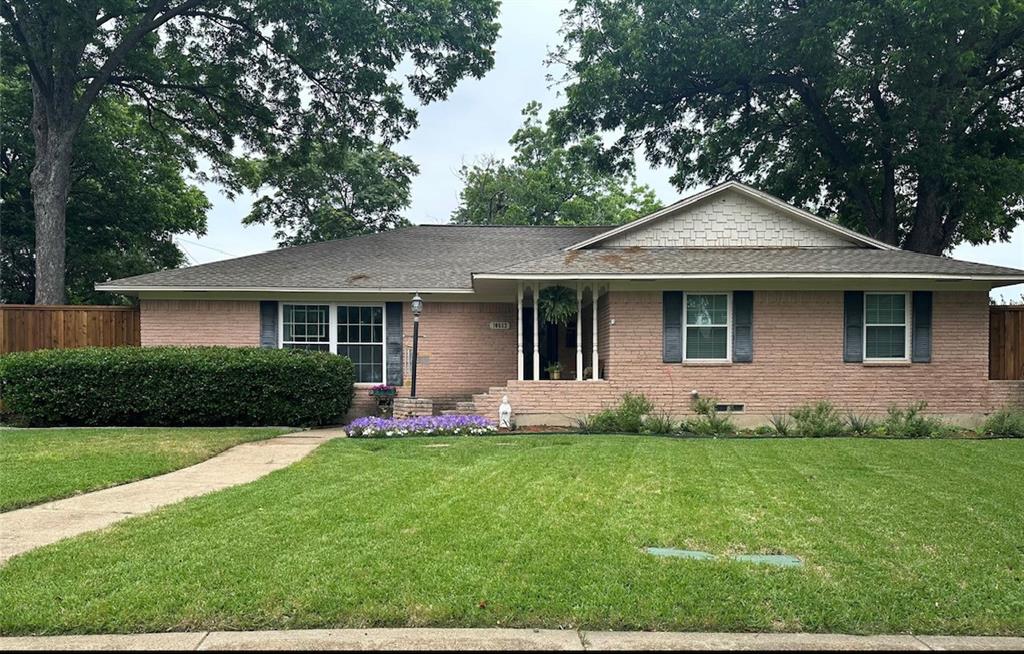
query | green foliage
[327, 191]
[780, 424]
[708, 421]
[128, 197]
[164, 386]
[1008, 423]
[660, 424]
[862, 425]
[548, 183]
[819, 420]
[557, 304]
[899, 119]
[911, 423]
[626, 418]
[242, 80]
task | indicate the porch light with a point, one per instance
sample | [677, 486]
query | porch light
[417, 309]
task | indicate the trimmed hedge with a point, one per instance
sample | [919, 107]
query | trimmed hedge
[175, 386]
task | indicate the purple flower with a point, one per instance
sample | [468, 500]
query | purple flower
[461, 425]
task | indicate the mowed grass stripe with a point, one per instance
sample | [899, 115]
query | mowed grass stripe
[40, 465]
[547, 531]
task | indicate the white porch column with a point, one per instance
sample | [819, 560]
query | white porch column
[593, 294]
[519, 327]
[579, 331]
[536, 340]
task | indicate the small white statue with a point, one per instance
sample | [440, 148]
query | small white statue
[505, 414]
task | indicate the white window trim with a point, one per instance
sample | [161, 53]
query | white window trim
[332, 320]
[728, 325]
[908, 321]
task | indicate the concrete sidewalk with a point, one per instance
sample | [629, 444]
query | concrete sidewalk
[500, 639]
[26, 529]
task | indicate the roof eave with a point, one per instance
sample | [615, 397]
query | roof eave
[1000, 279]
[120, 288]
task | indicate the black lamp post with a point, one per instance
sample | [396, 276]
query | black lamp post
[417, 309]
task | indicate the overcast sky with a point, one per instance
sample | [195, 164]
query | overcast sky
[477, 120]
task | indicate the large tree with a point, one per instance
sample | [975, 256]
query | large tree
[901, 118]
[548, 183]
[251, 75]
[127, 197]
[320, 190]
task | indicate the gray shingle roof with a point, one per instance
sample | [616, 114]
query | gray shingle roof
[697, 261]
[423, 257]
[437, 257]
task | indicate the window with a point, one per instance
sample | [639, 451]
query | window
[352, 330]
[306, 327]
[361, 338]
[885, 326]
[706, 320]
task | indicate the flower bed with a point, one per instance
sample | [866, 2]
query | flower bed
[373, 427]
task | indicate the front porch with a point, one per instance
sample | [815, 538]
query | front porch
[566, 349]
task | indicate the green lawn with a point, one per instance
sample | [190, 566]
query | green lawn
[44, 464]
[547, 531]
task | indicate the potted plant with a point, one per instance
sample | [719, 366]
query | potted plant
[554, 370]
[557, 304]
[383, 390]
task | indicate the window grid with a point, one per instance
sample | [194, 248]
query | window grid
[361, 338]
[354, 330]
[706, 326]
[306, 327]
[886, 333]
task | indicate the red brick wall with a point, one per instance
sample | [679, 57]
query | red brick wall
[200, 322]
[798, 349]
[459, 353]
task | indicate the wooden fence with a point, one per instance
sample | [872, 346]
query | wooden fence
[1006, 342]
[26, 327]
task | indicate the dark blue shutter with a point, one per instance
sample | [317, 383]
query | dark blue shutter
[393, 326]
[672, 326]
[743, 326]
[921, 336]
[853, 321]
[268, 324]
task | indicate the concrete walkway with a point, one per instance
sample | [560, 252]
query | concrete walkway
[26, 529]
[500, 639]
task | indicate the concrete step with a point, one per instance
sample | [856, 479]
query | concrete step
[498, 390]
[466, 407]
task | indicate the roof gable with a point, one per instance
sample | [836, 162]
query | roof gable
[731, 215]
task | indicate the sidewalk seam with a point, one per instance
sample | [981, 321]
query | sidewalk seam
[926, 645]
[201, 641]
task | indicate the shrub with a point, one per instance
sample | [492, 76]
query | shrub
[168, 386]
[373, 427]
[661, 424]
[819, 420]
[626, 418]
[708, 422]
[911, 423]
[862, 425]
[780, 425]
[1008, 423]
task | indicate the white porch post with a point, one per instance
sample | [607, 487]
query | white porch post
[579, 331]
[519, 326]
[593, 296]
[536, 340]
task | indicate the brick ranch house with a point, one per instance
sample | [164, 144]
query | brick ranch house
[729, 293]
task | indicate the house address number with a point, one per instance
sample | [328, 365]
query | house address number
[501, 325]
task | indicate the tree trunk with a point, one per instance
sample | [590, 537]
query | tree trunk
[927, 234]
[50, 180]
